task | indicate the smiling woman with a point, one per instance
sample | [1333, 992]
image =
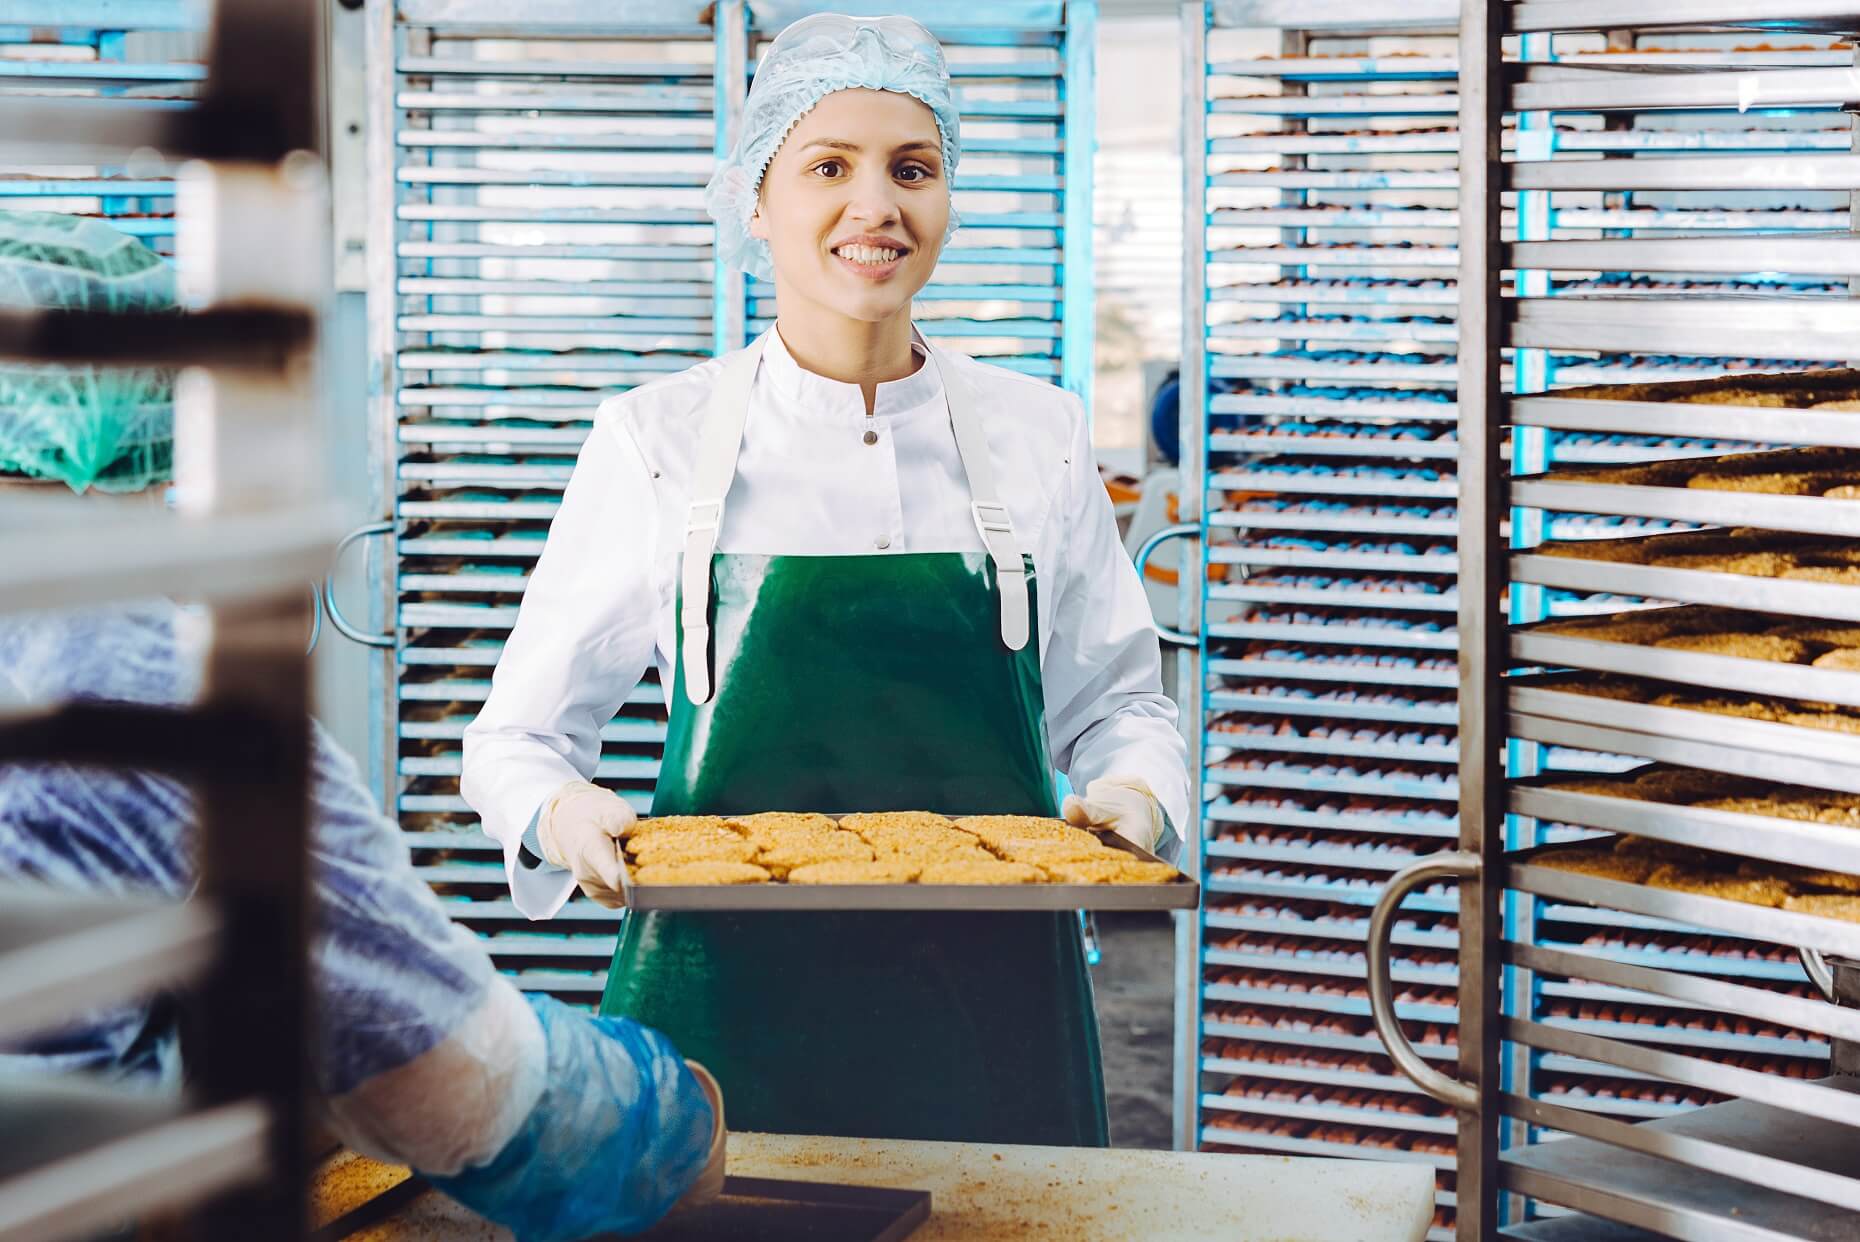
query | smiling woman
[875, 576]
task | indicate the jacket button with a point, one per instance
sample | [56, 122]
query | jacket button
[871, 437]
[882, 543]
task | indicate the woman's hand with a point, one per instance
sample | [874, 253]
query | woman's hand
[1120, 804]
[580, 829]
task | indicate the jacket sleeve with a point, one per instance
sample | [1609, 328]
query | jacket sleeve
[1105, 710]
[583, 637]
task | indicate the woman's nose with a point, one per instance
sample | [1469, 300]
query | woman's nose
[874, 200]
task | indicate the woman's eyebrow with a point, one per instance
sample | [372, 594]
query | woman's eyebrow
[842, 144]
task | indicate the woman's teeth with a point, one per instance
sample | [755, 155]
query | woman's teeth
[867, 254]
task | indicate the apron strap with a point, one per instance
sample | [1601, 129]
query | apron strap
[992, 520]
[719, 440]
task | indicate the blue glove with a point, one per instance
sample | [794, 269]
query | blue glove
[621, 1130]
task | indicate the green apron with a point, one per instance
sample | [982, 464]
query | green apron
[841, 683]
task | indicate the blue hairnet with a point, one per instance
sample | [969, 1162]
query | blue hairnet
[808, 61]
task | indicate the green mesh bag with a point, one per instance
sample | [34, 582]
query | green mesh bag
[110, 428]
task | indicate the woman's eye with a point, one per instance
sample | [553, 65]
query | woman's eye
[914, 172]
[828, 168]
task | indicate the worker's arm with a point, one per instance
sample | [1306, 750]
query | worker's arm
[540, 1117]
[1107, 717]
[583, 637]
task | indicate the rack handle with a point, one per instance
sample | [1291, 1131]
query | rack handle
[1456, 864]
[1181, 530]
[316, 618]
[343, 625]
[1819, 972]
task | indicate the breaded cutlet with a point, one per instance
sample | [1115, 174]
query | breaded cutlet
[1597, 861]
[1825, 905]
[701, 873]
[994, 871]
[1726, 886]
[849, 871]
[1125, 870]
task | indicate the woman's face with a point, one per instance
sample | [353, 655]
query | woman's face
[854, 204]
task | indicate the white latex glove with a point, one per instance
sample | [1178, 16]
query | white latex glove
[1120, 804]
[710, 1182]
[580, 829]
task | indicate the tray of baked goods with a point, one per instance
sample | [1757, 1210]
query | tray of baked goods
[891, 860]
[1814, 490]
[1725, 648]
[1786, 903]
[1809, 407]
[1743, 567]
[1711, 810]
[1805, 742]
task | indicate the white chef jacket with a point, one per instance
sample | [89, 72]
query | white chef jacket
[602, 599]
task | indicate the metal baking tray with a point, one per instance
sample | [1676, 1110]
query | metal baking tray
[1780, 595]
[1805, 843]
[1763, 678]
[1823, 758]
[1180, 894]
[1761, 922]
[1672, 418]
[778, 1210]
[1815, 515]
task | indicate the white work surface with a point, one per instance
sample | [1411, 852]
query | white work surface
[1081, 1195]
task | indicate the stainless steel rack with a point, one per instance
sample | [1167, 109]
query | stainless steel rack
[1327, 235]
[1561, 969]
[80, 1155]
[539, 244]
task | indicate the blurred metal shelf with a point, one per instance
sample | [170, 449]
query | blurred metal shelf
[1808, 599]
[1333, 1113]
[63, 955]
[78, 1155]
[1396, 713]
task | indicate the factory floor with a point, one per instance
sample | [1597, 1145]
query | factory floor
[1135, 987]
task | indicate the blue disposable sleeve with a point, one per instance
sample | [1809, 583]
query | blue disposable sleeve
[621, 1131]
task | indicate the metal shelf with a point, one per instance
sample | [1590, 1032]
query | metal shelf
[1823, 758]
[1328, 1112]
[1417, 752]
[1761, 922]
[1807, 514]
[1321, 1003]
[1353, 931]
[1312, 1147]
[1301, 1073]
[1817, 327]
[1802, 842]
[1662, 418]
[1353, 635]
[58, 559]
[1315, 670]
[1763, 678]
[1221, 811]
[1318, 1039]
[1808, 599]
[1740, 1169]
[1404, 713]
[63, 956]
[79, 1156]
[1224, 772]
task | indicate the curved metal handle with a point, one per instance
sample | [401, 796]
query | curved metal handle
[316, 619]
[343, 625]
[1819, 973]
[1181, 530]
[1457, 864]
